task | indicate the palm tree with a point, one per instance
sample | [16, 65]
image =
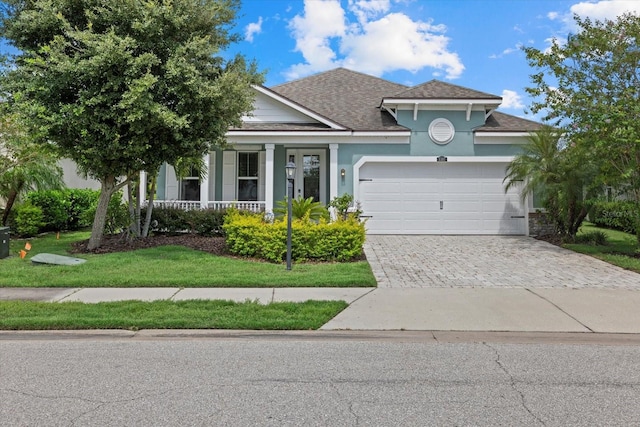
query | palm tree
[25, 165]
[558, 174]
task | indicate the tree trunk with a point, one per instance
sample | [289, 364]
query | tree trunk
[107, 188]
[11, 199]
[134, 228]
[150, 198]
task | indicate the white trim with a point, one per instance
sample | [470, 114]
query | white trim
[232, 133]
[289, 133]
[418, 159]
[391, 111]
[299, 153]
[461, 101]
[415, 111]
[204, 183]
[499, 134]
[360, 138]
[333, 171]
[267, 92]
[142, 188]
[469, 106]
[268, 187]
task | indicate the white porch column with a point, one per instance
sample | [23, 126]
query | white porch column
[142, 190]
[204, 183]
[268, 178]
[333, 171]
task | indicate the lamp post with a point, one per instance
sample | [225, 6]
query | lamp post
[291, 171]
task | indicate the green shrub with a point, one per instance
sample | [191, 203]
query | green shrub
[55, 208]
[117, 219]
[303, 209]
[81, 200]
[168, 219]
[595, 238]
[344, 206]
[251, 236]
[207, 222]
[28, 220]
[620, 215]
[64, 209]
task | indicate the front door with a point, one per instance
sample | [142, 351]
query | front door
[310, 175]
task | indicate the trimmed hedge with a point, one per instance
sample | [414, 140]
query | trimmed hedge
[64, 209]
[619, 215]
[250, 236]
[28, 220]
[205, 222]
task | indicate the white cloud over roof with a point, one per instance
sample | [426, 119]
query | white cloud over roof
[376, 42]
[511, 100]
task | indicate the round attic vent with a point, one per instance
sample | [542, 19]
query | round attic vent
[441, 131]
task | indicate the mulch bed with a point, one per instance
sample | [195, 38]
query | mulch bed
[119, 243]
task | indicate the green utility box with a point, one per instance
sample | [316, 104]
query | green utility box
[4, 242]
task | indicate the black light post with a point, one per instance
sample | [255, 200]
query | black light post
[291, 171]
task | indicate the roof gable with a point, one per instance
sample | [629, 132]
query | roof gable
[436, 89]
[346, 97]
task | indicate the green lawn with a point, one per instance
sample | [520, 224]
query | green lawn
[620, 249]
[195, 314]
[169, 266]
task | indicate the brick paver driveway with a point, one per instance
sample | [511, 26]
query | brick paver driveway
[487, 261]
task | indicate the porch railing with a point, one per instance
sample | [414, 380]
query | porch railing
[190, 205]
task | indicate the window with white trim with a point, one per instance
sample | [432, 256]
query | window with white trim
[248, 166]
[190, 186]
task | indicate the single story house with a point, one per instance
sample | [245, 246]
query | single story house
[427, 159]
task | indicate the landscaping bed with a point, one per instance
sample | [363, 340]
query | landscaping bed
[119, 243]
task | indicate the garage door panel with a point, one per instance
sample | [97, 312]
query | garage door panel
[406, 198]
[417, 187]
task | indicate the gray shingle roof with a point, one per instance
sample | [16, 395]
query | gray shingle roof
[352, 99]
[346, 97]
[436, 89]
[501, 122]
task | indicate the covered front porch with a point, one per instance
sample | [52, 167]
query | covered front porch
[251, 177]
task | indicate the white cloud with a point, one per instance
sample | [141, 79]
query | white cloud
[553, 15]
[507, 51]
[252, 29]
[367, 9]
[322, 21]
[511, 99]
[378, 42]
[606, 9]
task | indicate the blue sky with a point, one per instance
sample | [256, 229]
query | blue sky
[473, 43]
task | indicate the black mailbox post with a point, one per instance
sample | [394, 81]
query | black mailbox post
[4, 242]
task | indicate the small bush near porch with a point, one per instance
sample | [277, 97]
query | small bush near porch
[249, 235]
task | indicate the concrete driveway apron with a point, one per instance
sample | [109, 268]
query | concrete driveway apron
[404, 261]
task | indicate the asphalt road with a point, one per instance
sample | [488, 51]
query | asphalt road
[347, 379]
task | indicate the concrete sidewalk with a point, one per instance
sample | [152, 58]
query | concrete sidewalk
[426, 309]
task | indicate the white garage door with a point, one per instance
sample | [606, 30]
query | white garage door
[439, 198]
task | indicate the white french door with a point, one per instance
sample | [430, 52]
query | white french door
[310, 178]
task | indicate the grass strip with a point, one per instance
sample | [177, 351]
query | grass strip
[191, 314]
[170, 266]
[621, 248]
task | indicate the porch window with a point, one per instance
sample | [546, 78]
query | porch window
[190, 186]
[248, 176]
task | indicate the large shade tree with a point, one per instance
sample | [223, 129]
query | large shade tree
[590, 87]
[121, 86]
